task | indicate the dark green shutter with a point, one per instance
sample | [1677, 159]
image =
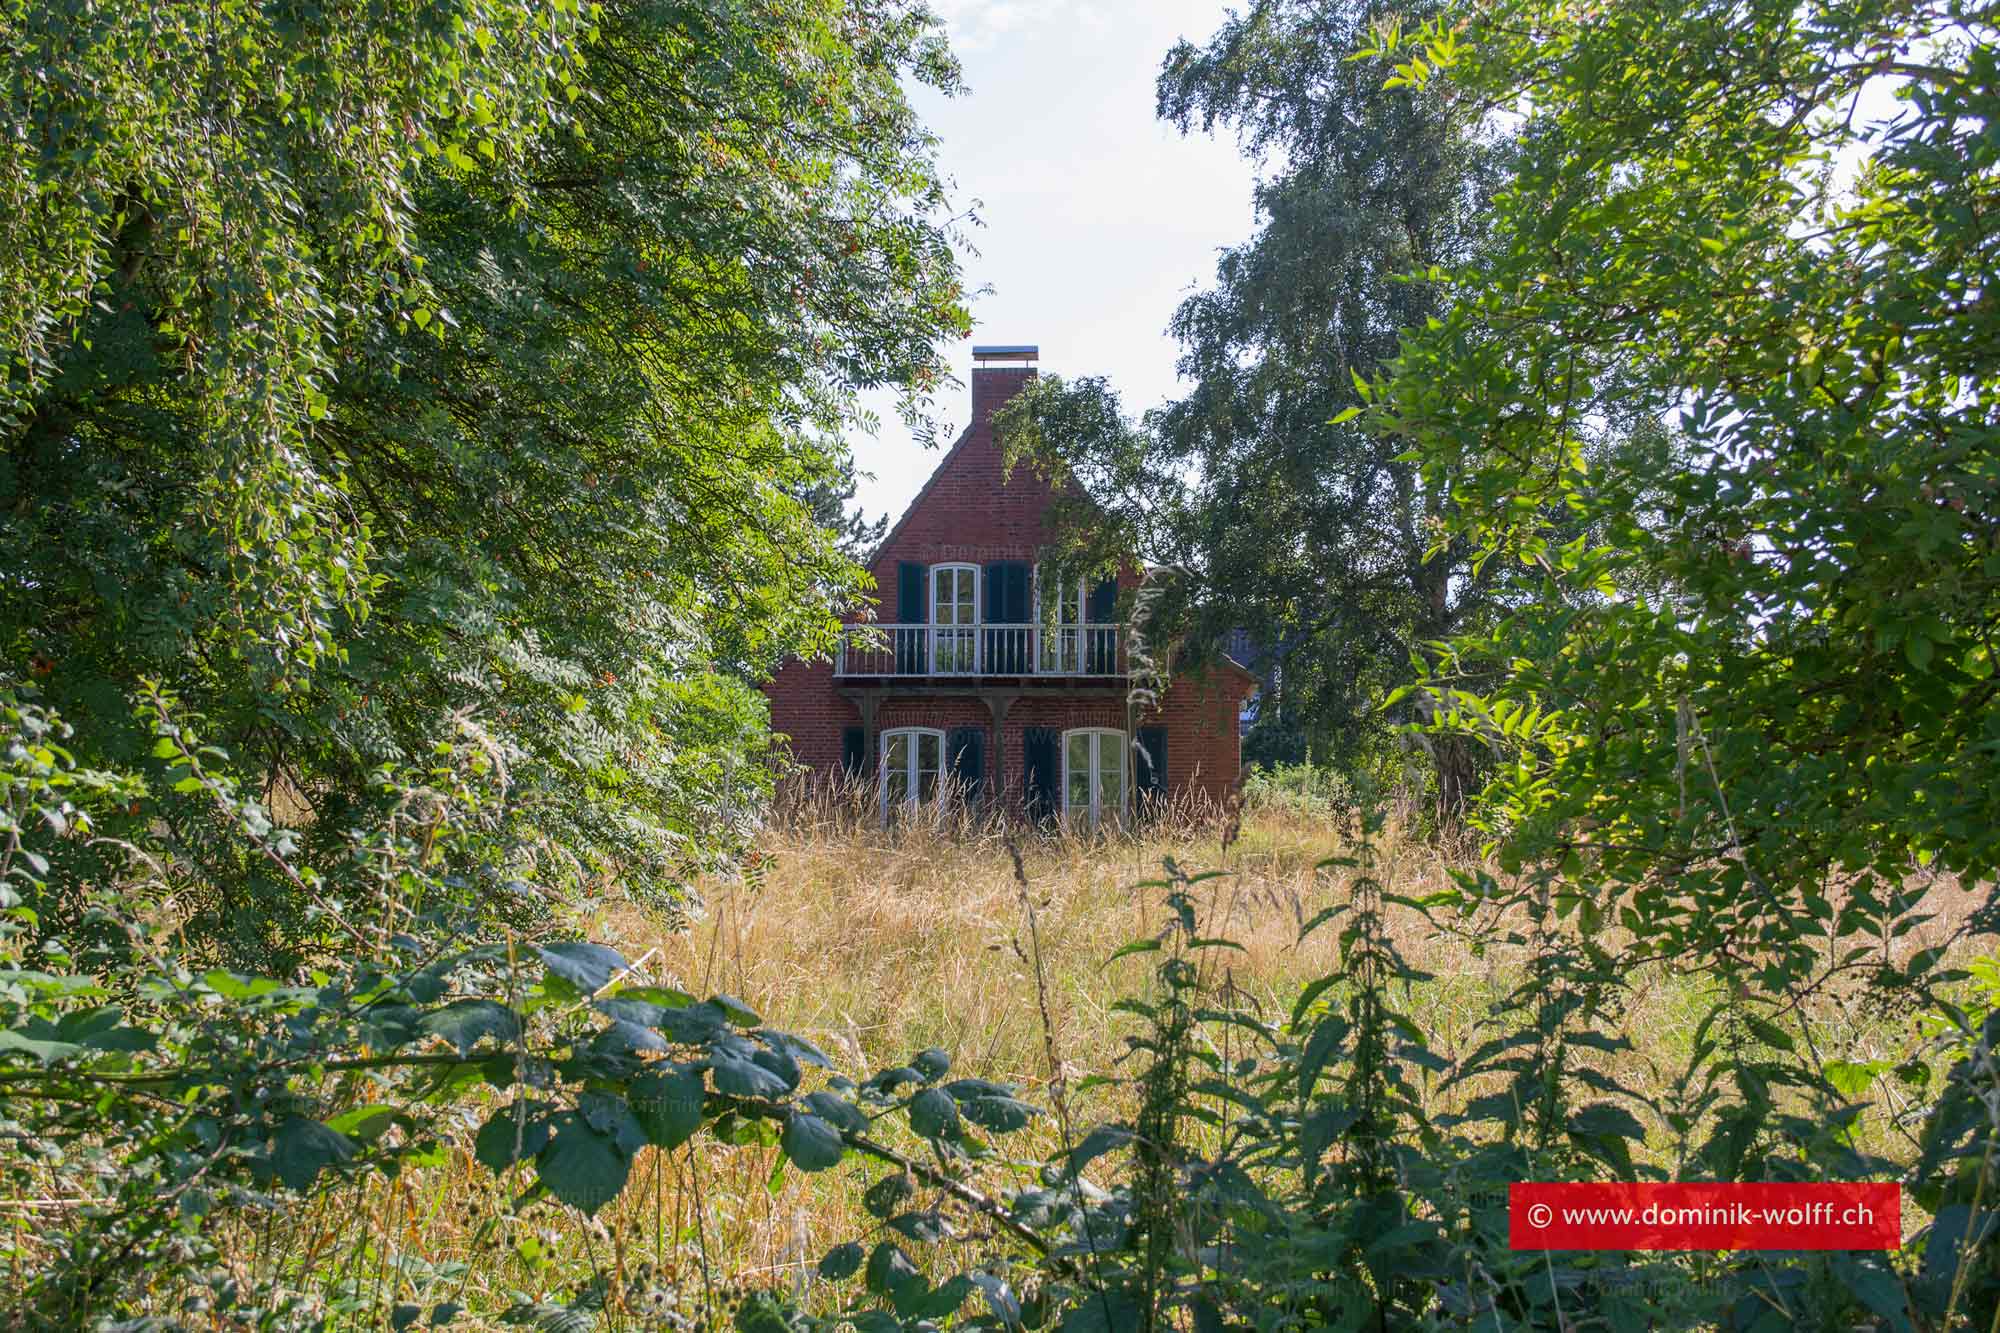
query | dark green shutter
[992, 592]
[1100, 647]
[1015, 610]
[853, 751]
[912, 607]
[1149, 764]
[1006, 598]
[993, 651]
[1041, 772]
[965, 755]
[1103, 602]
[912, 646]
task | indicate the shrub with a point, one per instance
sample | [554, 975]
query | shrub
[1305, 789]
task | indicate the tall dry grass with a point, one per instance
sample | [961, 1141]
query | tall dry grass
[878, 942]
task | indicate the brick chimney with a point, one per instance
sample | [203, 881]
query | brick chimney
[998, 373]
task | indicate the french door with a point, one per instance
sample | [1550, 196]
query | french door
[912, 758]
[954, 619]
[1093, 775]
[1060, 610]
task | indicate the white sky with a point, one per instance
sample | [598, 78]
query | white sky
[1096, 217]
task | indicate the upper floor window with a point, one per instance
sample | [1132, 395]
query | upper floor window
[1093, 776]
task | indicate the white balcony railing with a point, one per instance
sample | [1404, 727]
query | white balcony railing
[978, 650]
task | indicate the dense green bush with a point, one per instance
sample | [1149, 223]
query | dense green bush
[1305, 789]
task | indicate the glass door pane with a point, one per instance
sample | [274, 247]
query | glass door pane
[1076, 787]
[896, 768]
[1110, 773]
[954, 611]
[929, 759]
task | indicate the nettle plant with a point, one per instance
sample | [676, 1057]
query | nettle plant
[1331, 1169]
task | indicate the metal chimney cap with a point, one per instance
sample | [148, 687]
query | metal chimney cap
[1009, 351]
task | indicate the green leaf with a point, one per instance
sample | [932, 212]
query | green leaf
[885, 1083]
[917, 1300]
[798, 1048]
[668, 1103]
[511, 1134]
[1114, 1312]
[302, 1148]
[1878, 1288]
[666, 997]
[888, 1267]
[367, 1123]
[588, 967]
[811, 1143]
[741, 1078]
[690, 1026]
[932, 1064]
[841, 1262]
[609, 1114]
[925, 1228]
[933, 1114]
[40, 1047]
[1607, 1118]
[837, 1110]
[875, 1321]
[582, 1167]
[464, 1023]
[1767, 1032]
[737, 1012]
[886, 1196]
[1850, 1079]
[1002, 1114]
[1101, 1140]
[780, 1064]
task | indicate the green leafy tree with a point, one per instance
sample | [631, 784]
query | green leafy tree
[1813, 697]
[375, 368]
[1780, 231]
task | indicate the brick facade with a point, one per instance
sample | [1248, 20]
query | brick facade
[972, 511]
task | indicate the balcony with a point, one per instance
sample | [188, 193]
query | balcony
[931, 652]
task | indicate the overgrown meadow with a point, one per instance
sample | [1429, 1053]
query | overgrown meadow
[942, 1057]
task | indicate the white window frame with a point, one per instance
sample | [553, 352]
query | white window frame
[1082, 600]
[1062, 641]
[912, 774]
[1095, 812]
[970, 636]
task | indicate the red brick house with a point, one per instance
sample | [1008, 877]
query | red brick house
[976, 668]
